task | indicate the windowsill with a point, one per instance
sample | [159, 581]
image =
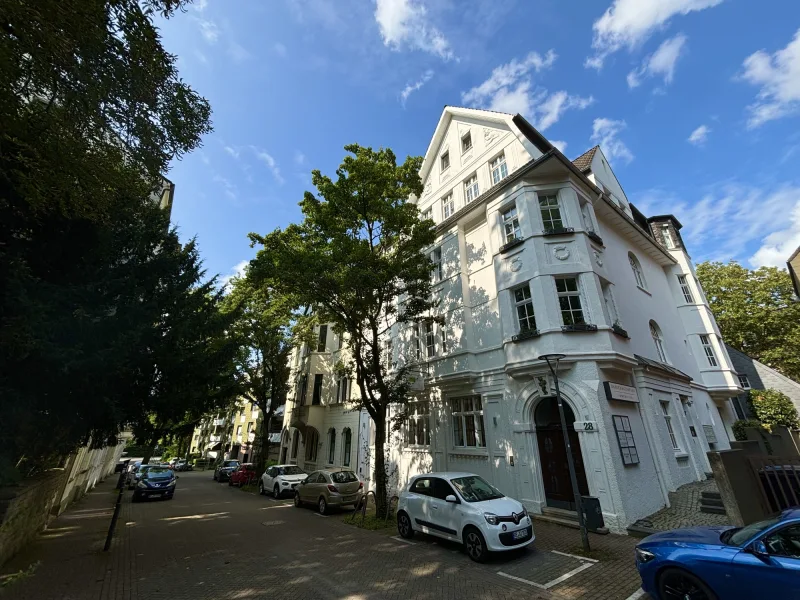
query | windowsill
[512, 244]
[468, 451]
[559, 231]
[595, 238]
[681, 455]
[644, 290]
[620, 332]
[525, 335]
[578, 328]
[418, 449]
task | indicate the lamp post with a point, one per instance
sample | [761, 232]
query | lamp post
[552, 364]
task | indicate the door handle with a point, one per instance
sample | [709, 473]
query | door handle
[435, 507]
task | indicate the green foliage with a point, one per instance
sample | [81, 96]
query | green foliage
[756, 312]
[359, 249]
[12, 578]
[772, 408]
[739, 428]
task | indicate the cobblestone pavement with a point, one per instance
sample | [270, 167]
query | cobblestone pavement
[684, 510]
[212, 541]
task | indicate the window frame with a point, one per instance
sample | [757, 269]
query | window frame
[567, 293]
[746, 381]
[666, 235]
[708, 349]
[638, 273]
[507, 218]
[416, 343]
[312, 448]
[658, 342]
[683, 282]
[437, 272]
[444, 158]
[448, 206]
[471, 188]
[665, 410]
[443, 337]
[498, 165]
[419, 418]
[430, 338]
[625, 440]
[388, 349]
[426, 214]
[523, 302]
[316, 395]
[347, 446]
[461, 417]
[467, 136]
[332, 446]
[544, 196]
[322, 339]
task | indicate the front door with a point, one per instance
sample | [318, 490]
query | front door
[553, 455]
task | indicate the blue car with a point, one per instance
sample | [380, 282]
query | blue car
[724, 563]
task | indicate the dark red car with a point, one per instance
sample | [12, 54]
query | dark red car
[243, 475]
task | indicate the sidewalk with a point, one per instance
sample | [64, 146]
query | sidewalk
[72, 564]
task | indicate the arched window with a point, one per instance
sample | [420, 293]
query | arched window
[295, 442]
[347, 441]
[331, 446]
[638, 275]
[311, 441]
[658, 340]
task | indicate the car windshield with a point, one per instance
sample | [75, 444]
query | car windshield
[231, 463]
[475, 489]
[738, 537]
[158, 473]
[343, 477]
[291, 471]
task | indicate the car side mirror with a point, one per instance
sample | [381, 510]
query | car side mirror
[758, 548]
[452, 499]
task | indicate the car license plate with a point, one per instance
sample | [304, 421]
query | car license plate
[153, 495]
[350, 498]
[518, 535]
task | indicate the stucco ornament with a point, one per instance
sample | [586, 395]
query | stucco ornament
[542, 381]
[490, 135]
[516, 264]
[598, 259]
[427, 190]
[561, 252]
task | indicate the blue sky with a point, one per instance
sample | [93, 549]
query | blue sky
[695, 102]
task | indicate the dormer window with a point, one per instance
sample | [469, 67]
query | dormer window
[445, 160]
[667, 235]
[466, 142]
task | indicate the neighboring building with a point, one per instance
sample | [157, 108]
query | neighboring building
[212, 436]
[235, 434]
[758, 376]
[793, 265]
[536, 254]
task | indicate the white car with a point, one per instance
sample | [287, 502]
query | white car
[464, 508]
[281, 479]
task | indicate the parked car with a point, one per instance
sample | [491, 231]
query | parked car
[244, 474]
[182, 465]
[464, 508]
[156, 482]
[281, 479]
[706, 563]
[223, 470]
[331, 487]
[136, 474]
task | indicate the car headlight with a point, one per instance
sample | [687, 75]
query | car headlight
[644, 556]
[491, 518]
[284, 483]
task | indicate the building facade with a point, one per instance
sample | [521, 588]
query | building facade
[235, 434]
[536, 254]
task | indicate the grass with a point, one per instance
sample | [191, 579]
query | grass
[250, 488]
[370, 521]
[12, 578]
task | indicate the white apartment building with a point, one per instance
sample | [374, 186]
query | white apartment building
[536, 254]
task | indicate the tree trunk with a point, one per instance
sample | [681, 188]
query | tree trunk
[381, 492]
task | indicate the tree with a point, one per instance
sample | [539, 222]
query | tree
[264, 334]
[357, 252]
[773, 408]
[756, 312]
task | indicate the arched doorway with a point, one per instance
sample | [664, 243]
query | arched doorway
[553, 454]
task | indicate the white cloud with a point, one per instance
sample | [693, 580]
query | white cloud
[229, 187]
[200, 5]
[699, 136]
[268, 160]
[234, 152]
[510, 89]
[280, 49]
[728, 221]
[209, 30]
[779, 77]
[605, 132]
[661, 63]
[237, 271]
[405, 23]
[561, 145]
[627, 23]
[413, 87]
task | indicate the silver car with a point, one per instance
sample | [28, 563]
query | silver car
[331, 487]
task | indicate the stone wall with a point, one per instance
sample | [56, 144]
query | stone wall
[25, 509]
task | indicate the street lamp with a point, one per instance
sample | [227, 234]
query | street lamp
[552, 363]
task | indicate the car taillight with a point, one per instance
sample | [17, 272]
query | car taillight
[333, 489]
[361, 485]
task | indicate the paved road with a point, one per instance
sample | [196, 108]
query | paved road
[214, 541]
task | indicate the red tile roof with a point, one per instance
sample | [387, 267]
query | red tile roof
[584, 161]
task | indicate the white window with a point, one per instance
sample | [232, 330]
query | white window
[445, 159]
[524, 305]
[436, 267]
[331, 445]
[569, 301]
[311, 442]
[638, 275]
[586, 215]
[744, 382]
[443, 335]
[611, 306]
[342, 389]
[466, 142]
[667, 235]
[687, 291]
[387, 350]
[427, 214]
[551, 212]
[448, 206]
[467, 422]
[416, 348]
[322, 342]
[658, 340]
[511, 225]
[709, 350]
[430, 339]
[471, 189]
[418, 426]
[347, 442]
[499, 169]
[668, 421]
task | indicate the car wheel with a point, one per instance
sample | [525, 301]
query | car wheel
[297, 502]
[276, 492]
[404, 526]
[230, 482]
[677, 584]
[322, 506]
[261, 488]
[475, 545]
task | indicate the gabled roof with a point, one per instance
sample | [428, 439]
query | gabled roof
[584, 161]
